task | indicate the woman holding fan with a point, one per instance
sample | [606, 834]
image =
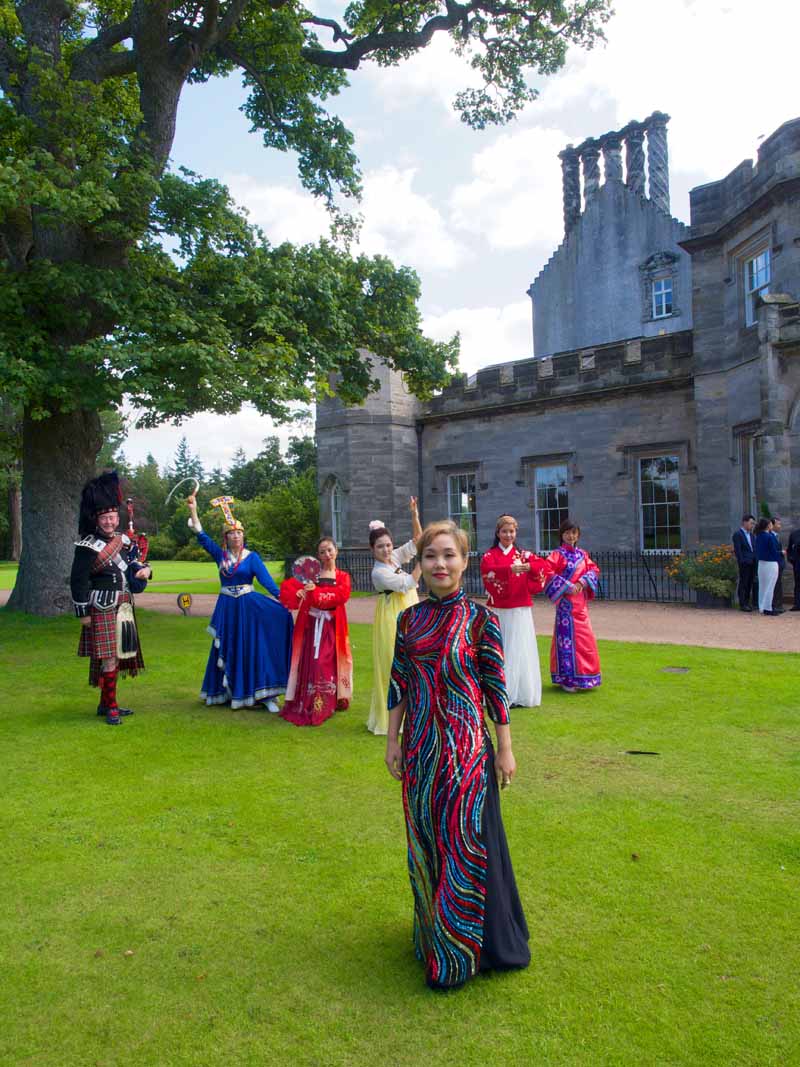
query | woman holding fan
[321, 677]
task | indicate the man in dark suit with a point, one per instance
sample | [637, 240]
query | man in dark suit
[777, 596]
[793, 556]
[744, 548]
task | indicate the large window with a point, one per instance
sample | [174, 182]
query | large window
[336, 513]
[662, 298]
[756, 283]
[747, 459]
[551, 504]
[659, 496]
[461, 504]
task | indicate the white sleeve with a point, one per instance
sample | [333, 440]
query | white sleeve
[405, 553]
[386, 580]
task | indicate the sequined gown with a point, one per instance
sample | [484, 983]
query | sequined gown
[468, 917]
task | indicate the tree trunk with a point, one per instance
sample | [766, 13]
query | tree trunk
[58, 456]
[14, 521]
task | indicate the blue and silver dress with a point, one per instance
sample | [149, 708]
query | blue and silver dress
[249, 658]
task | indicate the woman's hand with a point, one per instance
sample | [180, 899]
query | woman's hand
[394, 758]
[505, 766]
[192, 502]
[518, 567]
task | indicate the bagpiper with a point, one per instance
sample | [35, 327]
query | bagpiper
[106, 571]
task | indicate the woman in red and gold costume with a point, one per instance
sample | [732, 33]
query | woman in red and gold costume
[572, 581]
[321, 674]
[511, 575]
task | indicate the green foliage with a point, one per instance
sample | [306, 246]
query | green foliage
[286, 520]
[92, 308]
[162, 546]
[713, 570]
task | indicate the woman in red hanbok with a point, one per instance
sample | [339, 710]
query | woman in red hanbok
[572, 582]
[321, 673]
[511, 575]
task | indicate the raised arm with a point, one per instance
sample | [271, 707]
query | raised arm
[416, 525]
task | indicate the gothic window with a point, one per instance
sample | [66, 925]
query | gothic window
[551, 504]
[756, 283]
[462, 508]
[336, 513]
[659, 504]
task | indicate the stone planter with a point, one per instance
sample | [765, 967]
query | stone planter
[709, 600]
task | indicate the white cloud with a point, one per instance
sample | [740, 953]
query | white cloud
[436, 73]
[214, 438]
[403, 224]
[285, 214]
[514, 198]
[488, 334]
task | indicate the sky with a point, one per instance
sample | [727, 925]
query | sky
[478, 214]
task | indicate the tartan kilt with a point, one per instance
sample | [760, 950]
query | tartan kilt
[99, 642]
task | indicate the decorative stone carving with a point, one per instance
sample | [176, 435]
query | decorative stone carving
[571, 183]
[634, 157]
[590, 157]
[612, 156]
[658, 160]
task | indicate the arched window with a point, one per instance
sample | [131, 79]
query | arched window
[336, 513]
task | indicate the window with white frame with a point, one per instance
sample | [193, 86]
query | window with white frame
[336, 513]
[660, 504]
[756, 283]
[661, 298]
[551, 504]
[462, 504]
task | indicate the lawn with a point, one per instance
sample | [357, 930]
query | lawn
[207, 887]
[171, 576]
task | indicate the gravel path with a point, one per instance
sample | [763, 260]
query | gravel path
[672, 624]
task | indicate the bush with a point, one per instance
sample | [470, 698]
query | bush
[712, 570]
[193, 552]
[162, 546]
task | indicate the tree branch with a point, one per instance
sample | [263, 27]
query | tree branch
[97, 61]
[351, 56]
[227, 51]
[338, 33]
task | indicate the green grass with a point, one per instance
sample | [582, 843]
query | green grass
[256, 872]
[178, 576]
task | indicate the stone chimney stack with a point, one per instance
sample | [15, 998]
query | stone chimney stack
[590, 157]
[611, 145]
[586, 157]
[634, 157]
[571, 184]
[658, 159]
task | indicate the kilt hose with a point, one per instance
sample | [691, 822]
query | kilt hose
[99, 642]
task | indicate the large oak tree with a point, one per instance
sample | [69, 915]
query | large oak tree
[92, 308]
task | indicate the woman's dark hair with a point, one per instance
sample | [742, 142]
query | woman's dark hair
[567, 524]
[381, 531]
[762, 525]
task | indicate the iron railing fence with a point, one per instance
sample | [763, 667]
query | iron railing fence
[641, 576]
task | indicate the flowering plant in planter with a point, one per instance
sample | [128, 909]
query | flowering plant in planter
[713, 570]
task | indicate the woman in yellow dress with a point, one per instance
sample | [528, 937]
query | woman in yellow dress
[398, 591]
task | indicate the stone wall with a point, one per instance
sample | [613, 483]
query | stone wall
[596, 412]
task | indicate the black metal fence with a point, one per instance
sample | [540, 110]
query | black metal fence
[623, 575]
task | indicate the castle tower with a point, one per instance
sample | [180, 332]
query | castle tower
[367, 460]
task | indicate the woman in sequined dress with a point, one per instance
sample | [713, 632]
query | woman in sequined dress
[448, 666]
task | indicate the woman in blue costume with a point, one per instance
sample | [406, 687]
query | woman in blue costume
[249, 660]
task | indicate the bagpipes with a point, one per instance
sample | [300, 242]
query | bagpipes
[127, 638]
[140, 546]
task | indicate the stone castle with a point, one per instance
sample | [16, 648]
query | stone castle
[663, 396]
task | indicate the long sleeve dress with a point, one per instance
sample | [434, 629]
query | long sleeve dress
[321, 676]
[468, 917]
[574, 659]
[249, 657]
[398, 591]
[509, 597]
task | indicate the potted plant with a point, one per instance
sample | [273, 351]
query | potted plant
[711, 572]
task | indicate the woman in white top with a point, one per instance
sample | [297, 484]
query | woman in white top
[398, 590]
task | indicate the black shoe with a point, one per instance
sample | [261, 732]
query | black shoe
[794, 609]
[125, 711]
[746, 609]
[103, 710]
